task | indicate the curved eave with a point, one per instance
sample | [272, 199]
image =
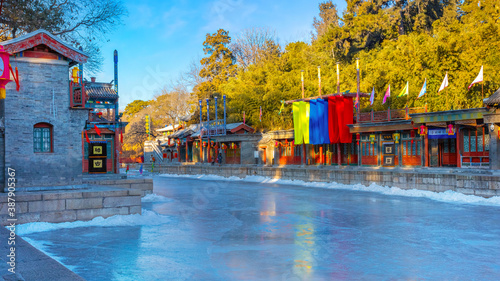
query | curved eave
[40, 37]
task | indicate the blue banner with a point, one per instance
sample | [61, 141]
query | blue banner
[441, 133]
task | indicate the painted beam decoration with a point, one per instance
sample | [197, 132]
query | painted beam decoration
[40, 37]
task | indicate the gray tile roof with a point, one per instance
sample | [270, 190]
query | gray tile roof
[101, 92]
[493, 99]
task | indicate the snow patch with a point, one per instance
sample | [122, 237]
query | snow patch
[449, 196]
[147, 218]
[155, 198]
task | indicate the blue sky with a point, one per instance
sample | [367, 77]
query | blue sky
[159, 39]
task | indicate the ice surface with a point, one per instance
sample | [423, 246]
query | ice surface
[447, 196]
[221, 229]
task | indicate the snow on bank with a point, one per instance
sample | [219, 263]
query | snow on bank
[447, 196]
[155, 198]
[147, 218]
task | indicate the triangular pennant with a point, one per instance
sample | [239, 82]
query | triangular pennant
[444, 84]
[372, 96]
[404, 92]
[387, 94]
[478, 79]
[423, 90]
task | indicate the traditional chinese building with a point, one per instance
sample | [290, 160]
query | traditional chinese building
[103, 131]
[42, 131]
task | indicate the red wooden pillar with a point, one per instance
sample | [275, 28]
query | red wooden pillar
[216, 154]
[426, 148]
[457, 150]
[208, 151]
[187, 159]
[321, 155]
[117, 151]
[304, 158]
[201, 150]
[83, 151]
[339, 154]
[179, 152]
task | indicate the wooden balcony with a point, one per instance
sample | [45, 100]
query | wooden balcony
[389, 115]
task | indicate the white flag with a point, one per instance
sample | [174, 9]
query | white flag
[479, 78]
[445, 83]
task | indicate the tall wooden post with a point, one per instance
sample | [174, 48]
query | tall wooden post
[187, 158]
[457, 149]
[208, 151]
[319, 81]
[304, 157]
[426, 152]
[358, 108]
[338, 79]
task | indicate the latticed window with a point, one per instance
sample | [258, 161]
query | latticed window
[42, 137]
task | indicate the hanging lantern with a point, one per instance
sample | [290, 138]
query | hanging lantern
[276, 143]
[450, 130]
[196, 144]
[423, 130]
[412, 133]
[293, 142]
[358, 137]
[396, 137]
[286, 143]
[372, 139]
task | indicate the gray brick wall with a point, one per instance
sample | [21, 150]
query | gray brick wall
[39, 79]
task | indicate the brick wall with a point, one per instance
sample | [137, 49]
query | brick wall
[39, 79]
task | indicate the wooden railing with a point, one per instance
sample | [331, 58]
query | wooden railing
[389, 115]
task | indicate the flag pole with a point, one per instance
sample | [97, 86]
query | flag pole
[319, 80]
[302, 80]
[482, 92]
[358, 108]
[338, 79]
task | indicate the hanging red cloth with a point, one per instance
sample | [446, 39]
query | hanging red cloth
[339, 109]
[87, 137]
[97, 130]
[348, 115]
[333, 128]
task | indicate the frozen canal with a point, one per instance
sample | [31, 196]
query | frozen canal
[223, 230]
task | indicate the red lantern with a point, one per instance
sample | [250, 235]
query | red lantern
[4, 71]
[412, 134]
[423, 130]
[450, 130]
[358, 136]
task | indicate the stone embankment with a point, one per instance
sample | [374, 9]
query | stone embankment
[96, 198]
[483, 183]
